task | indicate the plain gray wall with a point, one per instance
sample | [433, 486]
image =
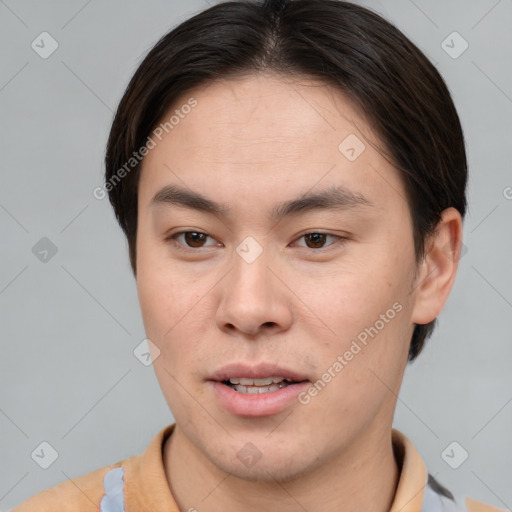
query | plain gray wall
[70, 324]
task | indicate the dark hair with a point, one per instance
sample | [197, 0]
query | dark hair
[380, 70]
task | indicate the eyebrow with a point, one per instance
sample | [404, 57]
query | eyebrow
[339, 198]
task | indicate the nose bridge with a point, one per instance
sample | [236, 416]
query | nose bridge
[251, 296]
[250, 275]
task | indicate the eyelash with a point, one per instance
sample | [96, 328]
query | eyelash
[173, 238]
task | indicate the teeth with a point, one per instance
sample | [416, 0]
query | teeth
[255, 390]
[257, 386]
[258, 382]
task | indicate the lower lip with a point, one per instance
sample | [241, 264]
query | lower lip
[264, 404]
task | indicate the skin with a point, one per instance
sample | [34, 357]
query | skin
[251, 143]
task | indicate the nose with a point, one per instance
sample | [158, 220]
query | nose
[254, 301]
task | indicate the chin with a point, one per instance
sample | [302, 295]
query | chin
[270, 464]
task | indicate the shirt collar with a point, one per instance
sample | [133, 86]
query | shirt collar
[413, 475]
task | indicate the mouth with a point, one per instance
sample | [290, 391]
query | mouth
[258, 386]
[263, 389]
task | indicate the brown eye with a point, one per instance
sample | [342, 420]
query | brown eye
[187, 240]
[315, 240]
[195, 239]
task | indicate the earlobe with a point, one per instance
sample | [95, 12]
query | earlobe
[438, 269]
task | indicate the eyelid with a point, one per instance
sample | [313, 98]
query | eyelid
[320, 232]
[172, 237]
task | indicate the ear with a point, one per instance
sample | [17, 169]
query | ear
[436, 273]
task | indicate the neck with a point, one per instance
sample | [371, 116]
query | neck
[341, 484]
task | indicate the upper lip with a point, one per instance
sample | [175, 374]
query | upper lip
[258, 371]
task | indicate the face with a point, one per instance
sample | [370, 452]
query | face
[274, 240]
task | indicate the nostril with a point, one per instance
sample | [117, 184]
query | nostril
[269, 324]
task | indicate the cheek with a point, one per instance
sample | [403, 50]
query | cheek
[352, 297]
[363, 372]
[171, 309]
[367, 311]
[164, 293]
[175, 309]
[172, 324]
[156, 294]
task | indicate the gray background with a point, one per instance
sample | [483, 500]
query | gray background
[70, 324]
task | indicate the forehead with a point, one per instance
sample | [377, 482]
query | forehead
[269, 110]
[266, 133]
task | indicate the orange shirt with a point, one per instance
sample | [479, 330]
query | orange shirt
[139, 484]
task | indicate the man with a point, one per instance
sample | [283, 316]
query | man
[291, 180]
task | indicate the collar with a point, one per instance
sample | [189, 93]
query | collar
[413, 475]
